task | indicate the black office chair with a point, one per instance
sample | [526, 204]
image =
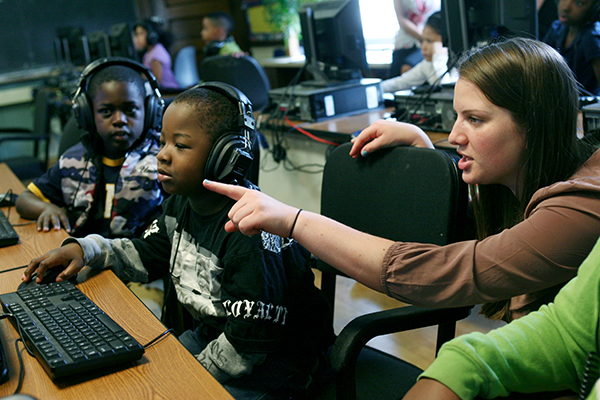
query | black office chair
[243, 73]
[71, 135]
[32, 165]
[404, 194]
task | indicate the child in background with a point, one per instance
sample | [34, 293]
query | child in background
[411, 16]
[147, 40]
[576, 36]
[216, 33]
[433, 69]
[262, 325]
[546, 350]
[106, 183]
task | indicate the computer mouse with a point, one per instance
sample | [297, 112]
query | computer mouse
[49, 277]
[8, 199]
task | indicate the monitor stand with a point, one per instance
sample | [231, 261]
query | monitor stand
[322, 80]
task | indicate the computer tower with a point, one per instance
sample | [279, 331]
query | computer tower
[311, 103]
[431, 111]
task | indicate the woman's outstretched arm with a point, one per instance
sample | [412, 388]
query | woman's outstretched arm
[357, 254]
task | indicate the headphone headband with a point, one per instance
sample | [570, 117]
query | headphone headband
[245, 116]
[102, 63]
[153, 104]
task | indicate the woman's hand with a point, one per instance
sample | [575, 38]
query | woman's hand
[384, 133]
[69, 256]
[254, 211]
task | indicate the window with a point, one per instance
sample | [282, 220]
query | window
[379, 28]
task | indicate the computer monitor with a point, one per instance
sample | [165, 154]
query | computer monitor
[99, 45]
[472, 23]
[334, 44]
[121, 41]
[71, 46]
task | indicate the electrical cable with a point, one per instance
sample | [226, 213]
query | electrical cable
[155, 340]
[307, 133]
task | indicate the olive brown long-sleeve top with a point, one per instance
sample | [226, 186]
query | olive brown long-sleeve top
[529, 262]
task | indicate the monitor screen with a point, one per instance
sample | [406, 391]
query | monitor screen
[98, 44]
[71, 46]
[333, 40]
[474, 22]
[121, 41]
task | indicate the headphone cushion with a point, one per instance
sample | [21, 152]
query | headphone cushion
[82, 109]
[154, 108]
[220, 155]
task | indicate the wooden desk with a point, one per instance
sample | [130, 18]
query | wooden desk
[166, 371]
[31, 242]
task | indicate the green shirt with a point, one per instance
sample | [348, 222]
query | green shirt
[543, 351]
[229, 48]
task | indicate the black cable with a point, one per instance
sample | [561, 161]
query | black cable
[153, 341]
[21, 366]
[20, 338]
[276, 119]
[13, 269]
[425, 95]
[8, 195]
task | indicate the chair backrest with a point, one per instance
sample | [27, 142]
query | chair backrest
[185, 68]
[243, 73]
[70, 136]
[402, 193]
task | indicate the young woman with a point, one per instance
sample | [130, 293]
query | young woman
[535, 189]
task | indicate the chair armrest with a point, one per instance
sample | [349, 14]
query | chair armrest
[360, 330]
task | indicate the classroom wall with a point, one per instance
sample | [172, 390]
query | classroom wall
[29, 27]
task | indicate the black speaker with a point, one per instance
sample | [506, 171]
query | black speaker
[231, 155]
[82, 105]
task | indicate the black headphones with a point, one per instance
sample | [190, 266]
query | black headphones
[152, 35]
[82, 105]
[231, 155]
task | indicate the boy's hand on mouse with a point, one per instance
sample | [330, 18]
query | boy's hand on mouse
[254, 211]
[70, 255]
[53, 216]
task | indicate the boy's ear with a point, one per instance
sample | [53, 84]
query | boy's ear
[222, 33]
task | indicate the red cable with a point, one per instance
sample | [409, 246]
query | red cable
[310, 135]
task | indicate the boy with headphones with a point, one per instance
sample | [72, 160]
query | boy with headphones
[261, 326]
[216, 33]
[106, 183]
[576, 36]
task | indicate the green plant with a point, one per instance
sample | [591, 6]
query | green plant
[284, 13]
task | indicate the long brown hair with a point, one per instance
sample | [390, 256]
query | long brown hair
[535, 85]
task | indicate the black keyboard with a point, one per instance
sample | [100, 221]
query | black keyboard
[66, 331]
[8, 236]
